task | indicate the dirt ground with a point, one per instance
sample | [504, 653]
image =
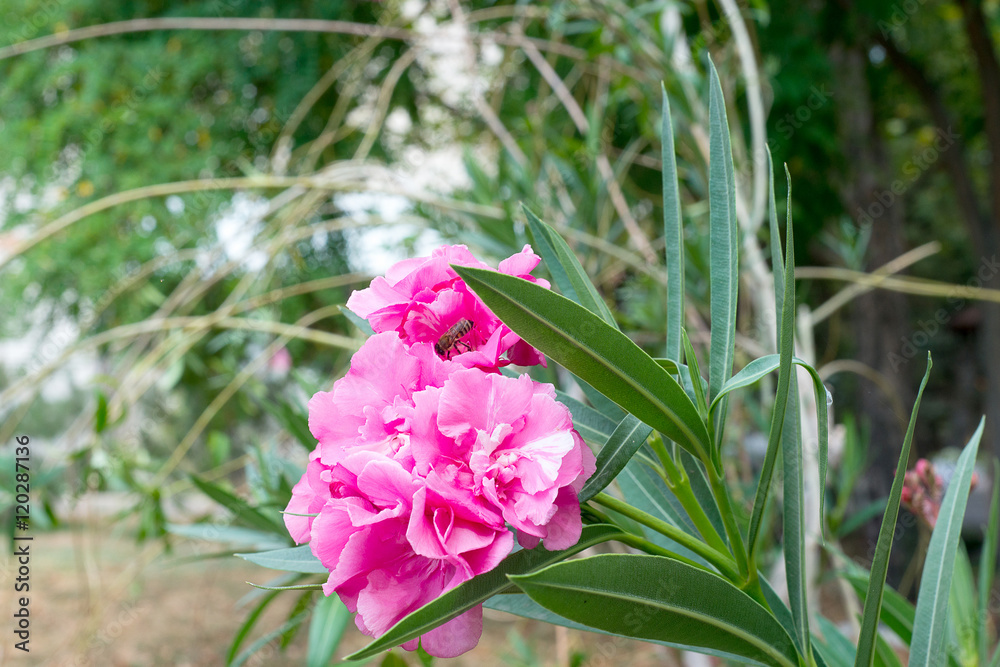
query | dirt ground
[98, 599]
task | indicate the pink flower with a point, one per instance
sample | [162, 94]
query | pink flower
[394, 541]
[371, 405]
[922, 492]
[426, 452]
[509, 441]
[280, 363]
[424, 301]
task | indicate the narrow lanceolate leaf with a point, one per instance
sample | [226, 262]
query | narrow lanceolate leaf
[760, 367]
[792, 517]
[459, 600]
[836, 649]
[793, 520]
[244, 514]
[963, 608]
[615, 455]
[593, 426]
[780, 610]
[822, 397]
[786, 348]
[880, 564]
[884, 655]
[569, 276]
[695, 370]
[295, 559]
[897, 611]
[777, 262]
[645, 490]
[673, 236]
[523, 606]
[724, 239]
[652, 597]
[988, 562]
[930, 626]
[326, 628]
[595, 351]
[358, 321]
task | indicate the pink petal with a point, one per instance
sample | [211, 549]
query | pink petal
[565, 527]
[455, 637]
[520, 264]
[473, 400]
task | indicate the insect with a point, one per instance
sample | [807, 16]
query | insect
[452, 338]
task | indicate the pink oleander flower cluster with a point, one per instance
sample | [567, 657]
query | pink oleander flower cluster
[427, 456]
[922, 492]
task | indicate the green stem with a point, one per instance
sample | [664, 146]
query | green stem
[753, 589]
[721, 494]
[645, 545]
[679, 484]
[721, 561]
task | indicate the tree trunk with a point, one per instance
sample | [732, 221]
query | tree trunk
[880, 322]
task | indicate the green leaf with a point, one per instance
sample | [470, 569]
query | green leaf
[473, 592]
[293, 587]
[964, 607]
[523, 606]
[897, 611]
[643, 489]
[569, 276]
[393, 660]
[598, 353]
[702, 490]
[760, 367]
[247, 538]
[326, 628]
[777, 261]
[880, 564]
[295, 559]
[793, 519]
[930, 627]
[601, 403]
[244, 514]
[836, 649]
[218, 447]
[101, 413]
[292, 419]
[592, 425]
[358, 321]
[248, 625]
[861, 517]
[673, 235]
[724, 240]
[884, 655]
[779, 609]
[652, 597]
[786, 347]
[691, 359]
[988, 561]
[615, 455]
[267, 638]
